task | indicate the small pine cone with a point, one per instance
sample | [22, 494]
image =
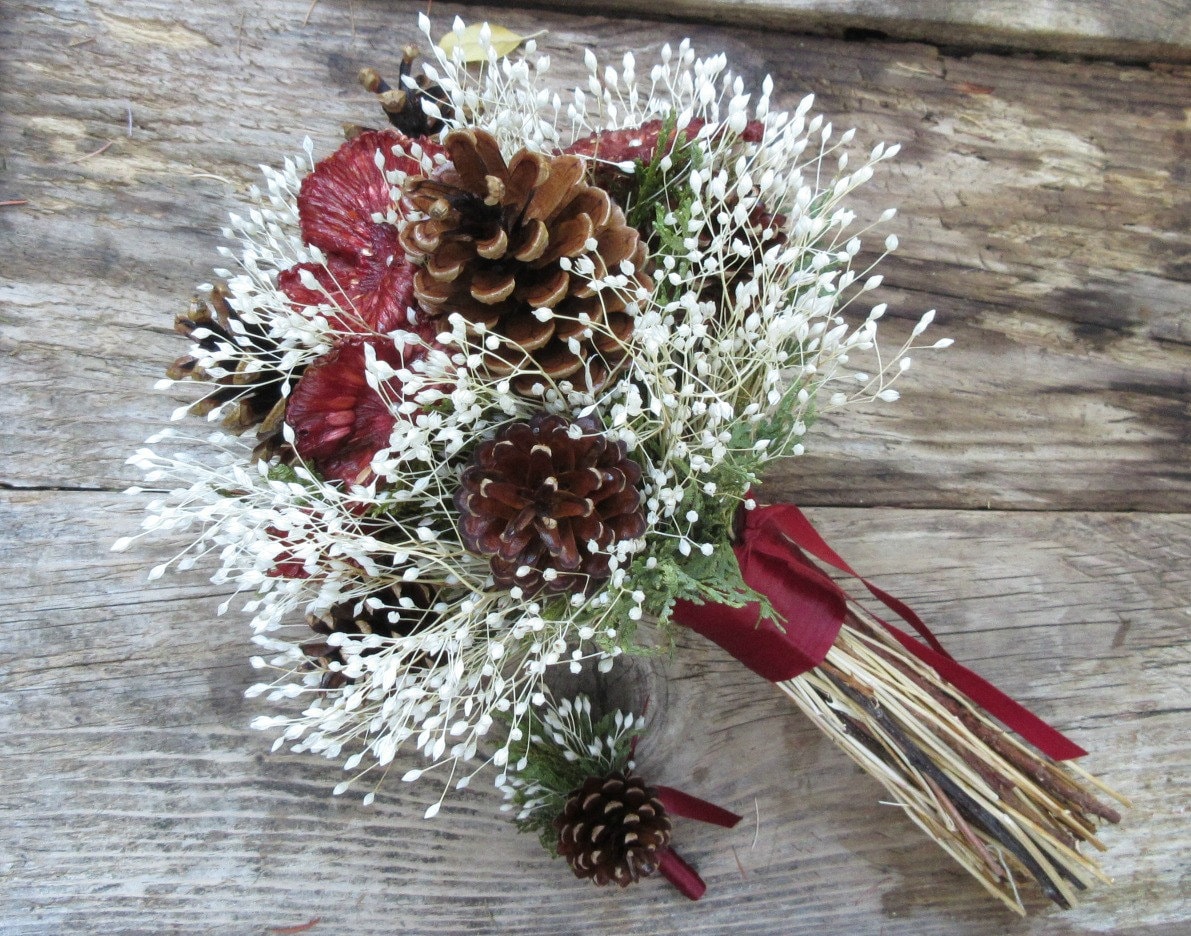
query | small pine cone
[403, 105]
[255, 395]
[612, 829]
[403, 610]
[496, 245]
[534, 500]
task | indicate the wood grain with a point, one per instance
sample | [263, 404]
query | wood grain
[1151, 30]
[1044, 212]
[136, 800]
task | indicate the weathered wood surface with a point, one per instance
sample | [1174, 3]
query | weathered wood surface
[1150, 30]
[136, 800]
[1044, 211]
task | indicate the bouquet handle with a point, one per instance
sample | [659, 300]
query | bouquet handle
[909, 714]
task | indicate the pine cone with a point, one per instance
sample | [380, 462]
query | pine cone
[403, 104]
[612, 829]
[534, 500]
[492, 246]
[390, 619]
[256, 394]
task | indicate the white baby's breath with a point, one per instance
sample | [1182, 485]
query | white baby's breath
[569, 728]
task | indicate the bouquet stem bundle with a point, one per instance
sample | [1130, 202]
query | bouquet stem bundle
[993, 804]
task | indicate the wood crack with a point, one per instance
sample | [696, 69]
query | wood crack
[62, 489]
[949, 35]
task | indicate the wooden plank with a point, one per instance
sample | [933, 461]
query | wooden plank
[1043, 213]
[1151, 30]
[137, 801]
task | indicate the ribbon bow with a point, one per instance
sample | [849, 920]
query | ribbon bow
[774, 549]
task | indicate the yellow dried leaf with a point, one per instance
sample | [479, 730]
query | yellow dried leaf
[503, 40]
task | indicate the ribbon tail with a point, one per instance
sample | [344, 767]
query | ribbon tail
[691, 807]
[793, 524]
[801, 536]
[1008, 711]
[681, 874]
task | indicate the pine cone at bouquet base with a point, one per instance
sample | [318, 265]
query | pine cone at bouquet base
[387, 615]
[497, 244]
[540, 495]
[252, 397]
[613, 829]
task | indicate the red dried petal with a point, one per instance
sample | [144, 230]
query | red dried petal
[286, 564]
[339, 421]
[338, 199]
[366, 274]
[375, 293]
[641, 142]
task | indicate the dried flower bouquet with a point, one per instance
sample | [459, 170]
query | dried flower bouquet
[496, 385]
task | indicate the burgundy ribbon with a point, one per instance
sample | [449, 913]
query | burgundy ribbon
[772, 551]
[682, 804]
[670, 863]
[681, 874]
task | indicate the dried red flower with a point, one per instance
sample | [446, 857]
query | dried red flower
[366, 273]
[286, 564]
[640, 143]
[374, 297]
[339, 421]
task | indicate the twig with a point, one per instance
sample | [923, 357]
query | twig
[313, 4]
[965, 830]
[79, 42]
[102, 149]
[980, 793]
[130, 121]
[13, 202]
[1047, 777]
[972, 810]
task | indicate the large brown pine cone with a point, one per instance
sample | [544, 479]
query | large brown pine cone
[612, 829]
[493, 246]
[390, 619]
[255, 395]
[534, 499]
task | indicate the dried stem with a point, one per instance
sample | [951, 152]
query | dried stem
[993, 804]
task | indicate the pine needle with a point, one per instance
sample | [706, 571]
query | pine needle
[102, 149]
